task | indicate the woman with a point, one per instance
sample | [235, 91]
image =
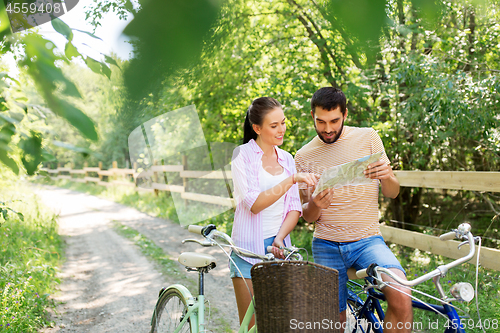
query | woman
[268, 202]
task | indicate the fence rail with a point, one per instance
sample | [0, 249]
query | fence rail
[453, 180]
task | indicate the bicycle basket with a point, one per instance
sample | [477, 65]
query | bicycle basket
[295, 296]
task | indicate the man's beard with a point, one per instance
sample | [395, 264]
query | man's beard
[332, 140]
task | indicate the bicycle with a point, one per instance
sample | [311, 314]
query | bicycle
[363, 301]
[177, 310]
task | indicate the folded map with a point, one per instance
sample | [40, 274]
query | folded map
[350, 173]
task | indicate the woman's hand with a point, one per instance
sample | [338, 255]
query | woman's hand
[310, 179]
[276, 248]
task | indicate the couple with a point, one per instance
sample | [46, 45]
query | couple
[271, 196]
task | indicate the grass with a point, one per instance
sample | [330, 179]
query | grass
[29, 260]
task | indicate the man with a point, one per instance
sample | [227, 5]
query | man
[347, 225]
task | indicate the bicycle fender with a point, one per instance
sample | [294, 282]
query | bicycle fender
[183, 290]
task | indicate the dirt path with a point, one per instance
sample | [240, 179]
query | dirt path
[108, 286]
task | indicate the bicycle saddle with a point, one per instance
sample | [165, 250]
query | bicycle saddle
[198, 260]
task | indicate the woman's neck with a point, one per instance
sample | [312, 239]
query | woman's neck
[266, 148]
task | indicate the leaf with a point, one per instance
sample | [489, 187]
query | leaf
[8, 161]
[170, 35]
[74, 116]
[6, 132]
[94, 65]
[110, 60]
[47, 157]
[51, 74]
[62, 28]
[5, 116]
[88, 33]
[32, 152]
[5, 214]
[20, 216]
[71, 147]
[71, 51]
[105, 69]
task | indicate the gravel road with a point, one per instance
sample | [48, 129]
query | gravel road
[107, 284]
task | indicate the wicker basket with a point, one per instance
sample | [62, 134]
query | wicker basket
[295, 296]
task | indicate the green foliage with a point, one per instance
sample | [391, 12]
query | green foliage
[39, 59]
[169, 35]
[29, 258]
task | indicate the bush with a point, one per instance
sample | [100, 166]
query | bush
[28, 261]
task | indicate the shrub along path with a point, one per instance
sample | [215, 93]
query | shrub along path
[108, 286]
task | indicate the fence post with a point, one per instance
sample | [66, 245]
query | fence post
[100, 168]
[115, 174]
[184, 179]
[86, 174]
[155, 177]
[133, 175]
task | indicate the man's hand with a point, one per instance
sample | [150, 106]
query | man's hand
[383, 171]
[379, 170]
[323, 199]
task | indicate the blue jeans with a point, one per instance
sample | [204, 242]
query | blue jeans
[360, 254]
[244, 265]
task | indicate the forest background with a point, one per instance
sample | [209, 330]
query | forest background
[422, 73]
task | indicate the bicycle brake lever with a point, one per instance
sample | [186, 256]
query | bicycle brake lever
[202, 243]
[463, 243]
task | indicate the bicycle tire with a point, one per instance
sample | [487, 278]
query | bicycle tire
[169, 312]
[354, 322]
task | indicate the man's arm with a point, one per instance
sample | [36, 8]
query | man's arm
[312, 207]
[383, 171]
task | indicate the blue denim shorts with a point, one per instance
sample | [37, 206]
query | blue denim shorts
[360, 254]
[244, 265]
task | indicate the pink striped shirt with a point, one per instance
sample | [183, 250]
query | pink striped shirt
[247, 227]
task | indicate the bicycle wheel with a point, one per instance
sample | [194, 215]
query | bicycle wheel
[356, 322]
[169, 312]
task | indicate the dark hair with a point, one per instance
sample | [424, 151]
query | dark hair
[329, 98]
[255, 115]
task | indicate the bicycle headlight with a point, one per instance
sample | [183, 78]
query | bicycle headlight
[463, 291]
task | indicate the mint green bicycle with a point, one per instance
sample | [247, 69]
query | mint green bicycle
[176, 310]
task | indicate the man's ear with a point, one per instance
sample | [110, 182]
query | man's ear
[312, 114]
[345, 115]
[256, 129]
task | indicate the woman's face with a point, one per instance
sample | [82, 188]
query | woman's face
[273, 127]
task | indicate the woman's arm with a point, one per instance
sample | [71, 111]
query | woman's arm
[288, 224]
[270, 196]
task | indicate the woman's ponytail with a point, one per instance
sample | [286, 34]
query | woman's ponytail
[248, 132]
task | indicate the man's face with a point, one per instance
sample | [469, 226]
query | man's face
[328, 124]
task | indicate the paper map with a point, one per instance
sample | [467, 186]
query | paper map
[350, 173]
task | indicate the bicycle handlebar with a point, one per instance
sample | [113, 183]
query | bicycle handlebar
[448, 236]
[288, 252]
[195, 229]
[211, 233]
[463, 230]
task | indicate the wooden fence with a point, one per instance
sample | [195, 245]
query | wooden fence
[453, 180]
